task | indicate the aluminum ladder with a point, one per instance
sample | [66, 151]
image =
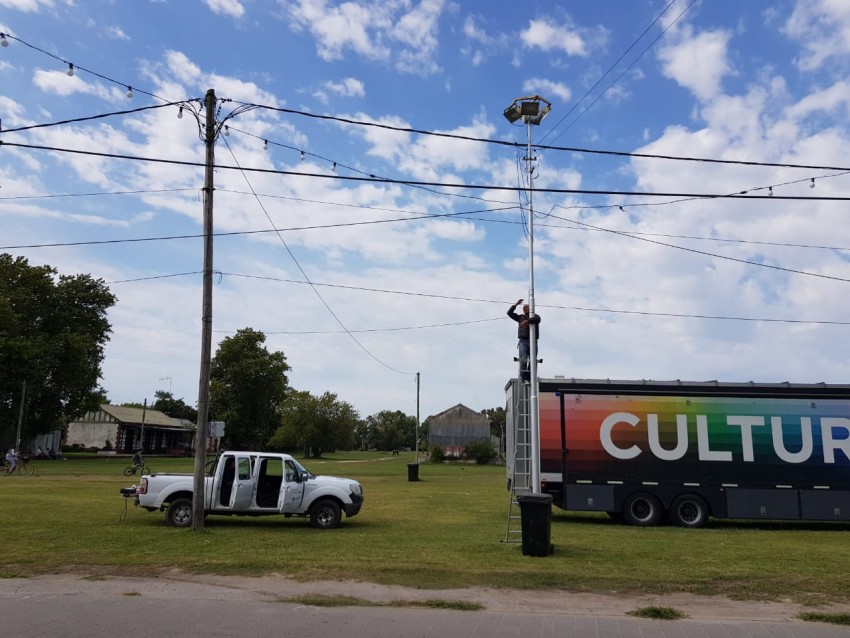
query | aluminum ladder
[521, 474]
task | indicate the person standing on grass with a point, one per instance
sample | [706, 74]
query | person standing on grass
[523, 337]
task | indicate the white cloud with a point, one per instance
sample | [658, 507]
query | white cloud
[116, 33]
[27, 5]
[547, 35]
[697, 62]
[823, 29]
[547, 88]
[386, 32]
[232, 8]
[348, 87]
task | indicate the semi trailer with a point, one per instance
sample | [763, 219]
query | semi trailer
[653, 451]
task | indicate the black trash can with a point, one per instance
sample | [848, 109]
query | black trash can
[536, 513]
[413, 471]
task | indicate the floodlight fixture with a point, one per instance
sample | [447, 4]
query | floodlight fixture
[531, 109]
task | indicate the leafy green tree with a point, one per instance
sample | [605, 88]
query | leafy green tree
[247, 386]
[315, 424]
[497, 418]
[387, 430]
[53, 330]
[175, 408]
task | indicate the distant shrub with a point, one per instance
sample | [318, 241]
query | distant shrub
[481, 451]
[437, 454]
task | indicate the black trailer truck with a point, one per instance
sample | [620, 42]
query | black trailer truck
[648, 451]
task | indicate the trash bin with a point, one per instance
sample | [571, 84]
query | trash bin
[536, 514]
[413, 471]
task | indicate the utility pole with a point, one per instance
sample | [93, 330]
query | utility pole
[416, 438]
[206, 320]
[21, 416]
[144, 412]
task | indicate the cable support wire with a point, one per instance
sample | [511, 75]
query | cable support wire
[250, 106]
[496, 301]
[72, 68]
[304, 273]
[403, 182]
[626, 70]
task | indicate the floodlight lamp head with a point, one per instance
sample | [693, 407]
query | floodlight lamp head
[512, 113]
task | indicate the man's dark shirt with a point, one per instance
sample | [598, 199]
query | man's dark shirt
[523, 321]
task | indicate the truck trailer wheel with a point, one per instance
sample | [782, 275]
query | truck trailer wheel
[325, 514]
[642, 509]
[179, 513]
[689, 510]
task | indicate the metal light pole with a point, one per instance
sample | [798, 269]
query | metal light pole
[531, 110]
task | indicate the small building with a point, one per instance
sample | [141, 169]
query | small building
[126, 429]
[452, 429]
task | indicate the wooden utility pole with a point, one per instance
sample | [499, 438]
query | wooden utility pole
[206, 320]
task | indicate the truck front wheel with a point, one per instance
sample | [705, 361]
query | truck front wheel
[325, 514]
[642, 509]
[179, 513]
[689, 510]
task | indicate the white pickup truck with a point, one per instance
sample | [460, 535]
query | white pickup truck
[252, 484]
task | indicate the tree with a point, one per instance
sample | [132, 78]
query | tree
[497, 418]
[175, 408]
[53, 330]
[388, 430]
[315, 424]
[247, 386]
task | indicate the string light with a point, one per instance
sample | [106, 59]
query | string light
[180, 113]
[70, 70]
[770, 191]
[265, 145]
[129, 92]
[333, 168]
[812, 185]
[226, 130]
[302, 156]
[3, 41]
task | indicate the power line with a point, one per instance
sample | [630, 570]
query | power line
[403, 182]
[604, 75]
[304, 273]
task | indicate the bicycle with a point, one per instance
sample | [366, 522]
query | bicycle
[137, 467]
[23, 467]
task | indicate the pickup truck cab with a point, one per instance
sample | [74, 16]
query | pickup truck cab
[252, 484]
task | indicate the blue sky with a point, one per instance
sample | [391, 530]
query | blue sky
[630, 286]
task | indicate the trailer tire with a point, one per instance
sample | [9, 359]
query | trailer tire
[642, 509]
[689, 510]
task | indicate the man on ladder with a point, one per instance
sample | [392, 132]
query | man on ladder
[523, 338]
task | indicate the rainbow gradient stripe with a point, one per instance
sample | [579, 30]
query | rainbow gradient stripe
[598, 441]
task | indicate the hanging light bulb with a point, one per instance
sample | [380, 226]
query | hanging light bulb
[770, 191]
[3, 40]
[70, 70]
[333, 168]
[265, 145]
[180, 113]
[129, 92]
[812, 185]
[302, 156]
[226, 131]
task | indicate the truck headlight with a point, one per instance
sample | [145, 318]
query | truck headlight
[356, 489]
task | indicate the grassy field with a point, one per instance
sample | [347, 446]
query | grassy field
[443, 531]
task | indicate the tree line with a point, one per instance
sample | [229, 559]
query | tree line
[53, 331]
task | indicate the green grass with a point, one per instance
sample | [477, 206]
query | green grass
[324, 600]
[835, 619]
[658, 613]
[443, 531]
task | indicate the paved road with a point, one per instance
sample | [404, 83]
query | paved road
[70, 606]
